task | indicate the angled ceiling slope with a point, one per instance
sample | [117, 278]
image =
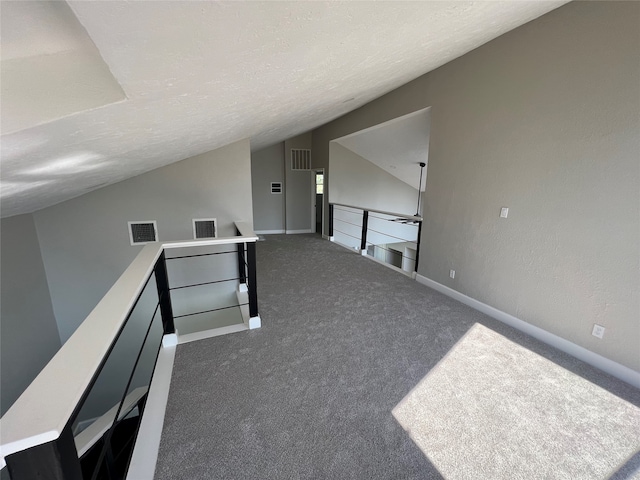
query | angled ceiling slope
[200, 75]
[397, 146]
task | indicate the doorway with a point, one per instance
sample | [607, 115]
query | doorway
[318, 178]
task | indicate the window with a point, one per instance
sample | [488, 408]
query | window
[320, 183]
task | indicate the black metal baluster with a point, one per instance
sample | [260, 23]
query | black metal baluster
[253, 290]
[365, 223]
[162, 283]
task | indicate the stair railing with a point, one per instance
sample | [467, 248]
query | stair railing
[44, 434]
[390, 238]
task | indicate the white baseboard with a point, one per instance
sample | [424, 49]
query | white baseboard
[327, 237]
[625, 374]
[308, 230]
[268, 232]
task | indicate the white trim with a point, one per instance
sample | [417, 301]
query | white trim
[215, 226]
[155, 232]
[255, 322]
[214, 332]
[249, 322]
[145, 453]
[613, 368]
[270, 232]
[170, 339]
[308, 230]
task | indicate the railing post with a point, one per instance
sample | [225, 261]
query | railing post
[242, 275]
[55, 460]
[330, 220]
[365, 222]
[253, 290]
[418, 245]
[164, 295]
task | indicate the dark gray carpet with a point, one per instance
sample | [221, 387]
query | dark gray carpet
[311, 394]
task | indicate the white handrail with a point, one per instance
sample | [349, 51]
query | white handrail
[44, 409]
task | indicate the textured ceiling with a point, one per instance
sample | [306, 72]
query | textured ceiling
[397, 146]
[199, 75]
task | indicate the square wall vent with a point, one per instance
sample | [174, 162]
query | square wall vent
[205, 228]
[276, 187]
[143, 232]
[300, 159]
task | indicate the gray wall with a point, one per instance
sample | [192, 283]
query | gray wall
[298, 187]
[85, 243]
[357, 182]
[29, 335]
[543, 120]
[267, 165]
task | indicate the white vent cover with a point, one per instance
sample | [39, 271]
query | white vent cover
[300, 159]
[276, 187]
[143, 232]
[204, 228]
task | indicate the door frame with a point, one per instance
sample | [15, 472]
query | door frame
[313, 198]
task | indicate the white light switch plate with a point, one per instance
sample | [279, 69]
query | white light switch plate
[504, 212]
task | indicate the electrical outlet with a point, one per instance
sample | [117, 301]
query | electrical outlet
[598, 330]
[504, 212]
[452, 273]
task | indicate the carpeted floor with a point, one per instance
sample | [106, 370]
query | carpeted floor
[361, 373]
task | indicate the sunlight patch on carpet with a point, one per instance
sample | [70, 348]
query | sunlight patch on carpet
[491, 409]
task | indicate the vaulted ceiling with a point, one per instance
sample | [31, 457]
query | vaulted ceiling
[93, 93]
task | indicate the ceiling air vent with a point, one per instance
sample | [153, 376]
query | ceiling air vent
[204, 228]
[143, 232]
[276, 187]
[300, 159]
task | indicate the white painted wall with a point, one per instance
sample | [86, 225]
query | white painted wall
[85, 243]
[358, 182]
[267, 165]
[28, 331]
[543, 120]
